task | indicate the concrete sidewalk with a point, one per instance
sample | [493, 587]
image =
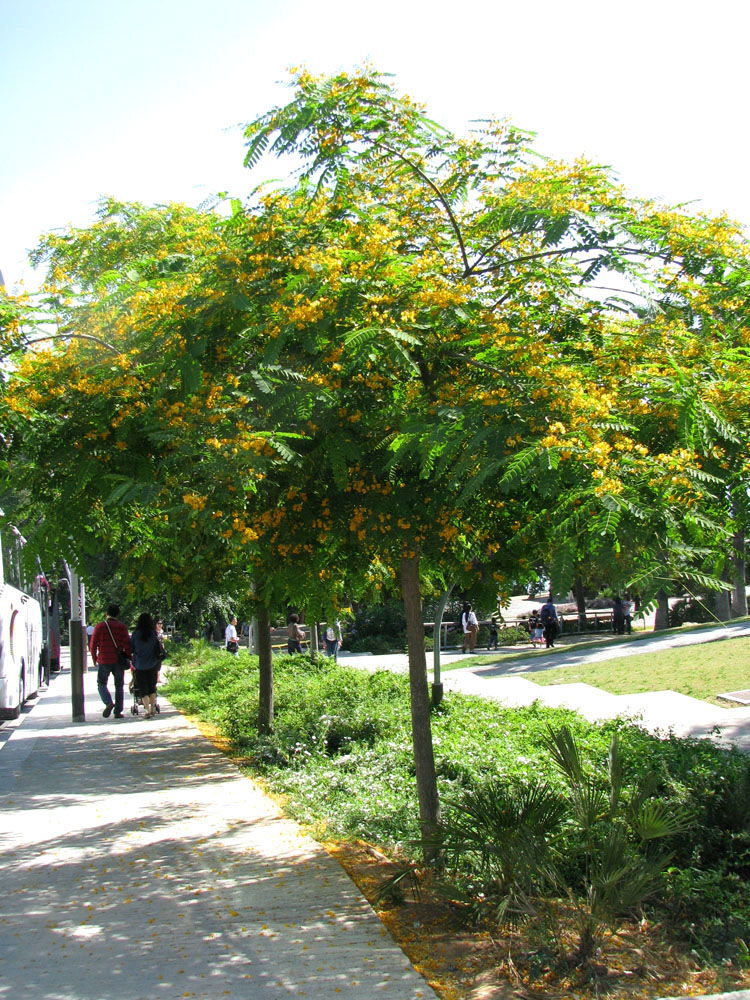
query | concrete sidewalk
[137, 862]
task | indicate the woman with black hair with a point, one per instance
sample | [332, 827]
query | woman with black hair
[147, 657]
[295, 635]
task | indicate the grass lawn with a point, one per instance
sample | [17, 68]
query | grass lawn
[701, 671]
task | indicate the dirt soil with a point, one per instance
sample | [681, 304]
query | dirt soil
[462, 961]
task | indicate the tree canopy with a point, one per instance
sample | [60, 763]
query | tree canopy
[423, 355]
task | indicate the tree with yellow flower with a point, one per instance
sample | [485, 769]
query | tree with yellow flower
[394, 368]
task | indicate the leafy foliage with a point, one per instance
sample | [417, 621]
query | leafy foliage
[341, 756]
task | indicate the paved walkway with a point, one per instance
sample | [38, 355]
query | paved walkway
[657, 711]
[137, 862]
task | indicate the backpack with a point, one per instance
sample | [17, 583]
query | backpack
[330, 634]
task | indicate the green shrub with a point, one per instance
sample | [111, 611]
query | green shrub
[341, 754]
[377, 644]
[385, 620]
[509, 635]
[692, 610]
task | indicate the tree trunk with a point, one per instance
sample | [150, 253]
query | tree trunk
[739, 593]
[265, 663]
[661, 618]
[580, 602]
[424, 759]
[722, 608]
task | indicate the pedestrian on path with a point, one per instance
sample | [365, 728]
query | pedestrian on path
[618, 616]
[548, 618]
[627, 611]
[110, 651]
[230, 637]
[536, 632]
[470, 627]
[495, 620]
[147, 657]
[160, 636]
[295, 635]
[333, 639]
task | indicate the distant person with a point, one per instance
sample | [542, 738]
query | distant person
[208, 631]
[495, 621]
[332, 639]
[618, 616]
[231, 641]
[470, 627]
[492, 641]
[160, 636]
[89, 635]
[110, 651]
[148, 653]
[548, 618]
[536, 632]
[295, 635]
[627, 611]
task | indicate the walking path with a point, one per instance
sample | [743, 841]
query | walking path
[657, 711]
[137, 862]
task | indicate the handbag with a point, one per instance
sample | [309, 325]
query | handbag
[122, 661]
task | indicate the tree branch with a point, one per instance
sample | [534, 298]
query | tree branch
[75, 336]
[441, 197]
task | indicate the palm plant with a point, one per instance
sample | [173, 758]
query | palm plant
[499, 836]
[610, 864]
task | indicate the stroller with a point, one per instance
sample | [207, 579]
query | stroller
[137, 694]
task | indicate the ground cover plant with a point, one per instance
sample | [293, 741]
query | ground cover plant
[703, 671]
[340, 755]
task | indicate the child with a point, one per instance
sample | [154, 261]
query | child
[536, 632]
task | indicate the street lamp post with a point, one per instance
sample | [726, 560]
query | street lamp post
[76, 650]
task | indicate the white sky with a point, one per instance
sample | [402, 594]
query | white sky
[134, 98]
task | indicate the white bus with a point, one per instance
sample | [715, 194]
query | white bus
[21, 636]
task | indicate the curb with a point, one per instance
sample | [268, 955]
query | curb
[738, 995]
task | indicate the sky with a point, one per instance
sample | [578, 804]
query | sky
[143, 99]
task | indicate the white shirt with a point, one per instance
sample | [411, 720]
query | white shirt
[230, 633]
[470, 619]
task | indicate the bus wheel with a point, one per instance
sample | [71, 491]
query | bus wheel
[13, 713]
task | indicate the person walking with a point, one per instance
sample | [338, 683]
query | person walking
[536, 632]
[147, 657]
[162, 656]
[230, 637]
[295, 635]
[618, 616]
[110, 651]
[627, 611]
[159, 627]
[470, 627]
[548, 618]
[495, 620]
[333, 639]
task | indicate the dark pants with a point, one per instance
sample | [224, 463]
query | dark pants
[550, 631]
[293, 646]
[332, 646]
[102, 676]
